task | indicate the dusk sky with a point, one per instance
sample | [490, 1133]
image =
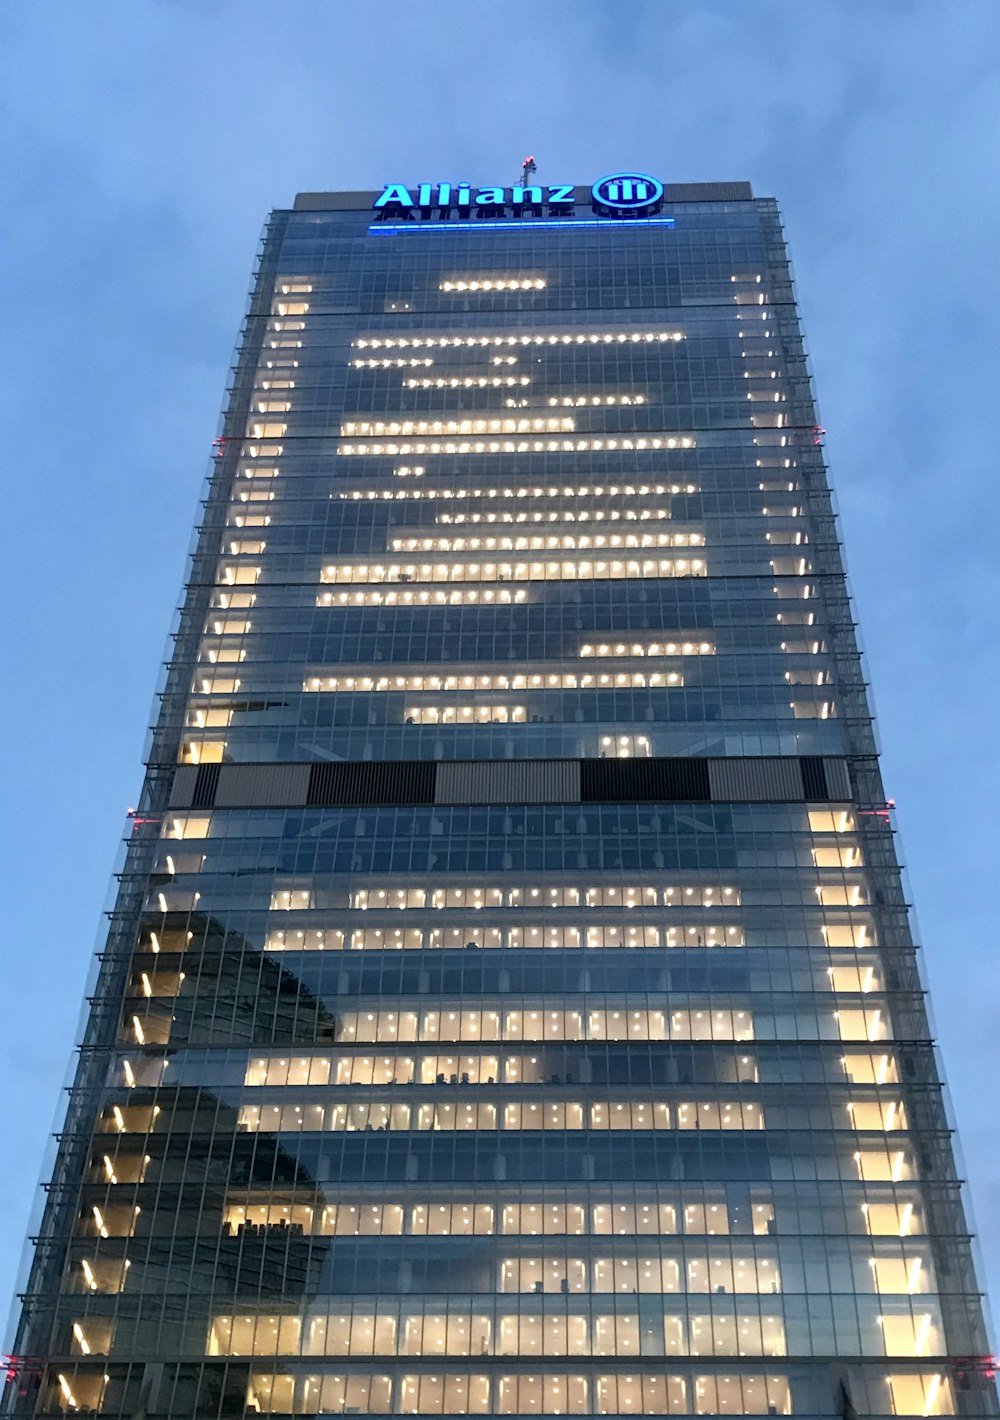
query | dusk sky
[143, 145]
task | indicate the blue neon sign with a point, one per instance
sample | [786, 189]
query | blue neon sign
[615, 195]
[444, 195]
[627, 192]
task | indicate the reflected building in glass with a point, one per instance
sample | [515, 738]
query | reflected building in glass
[510, 1006]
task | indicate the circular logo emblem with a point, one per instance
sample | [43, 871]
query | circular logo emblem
[627, 192]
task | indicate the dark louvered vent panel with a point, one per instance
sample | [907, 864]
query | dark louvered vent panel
[814, 778]
[508, 781]
[407, 782]
[708, 192]
[205, 785]
[610, 781]
[838, 778]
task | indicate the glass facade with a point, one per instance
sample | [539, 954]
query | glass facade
[509, 1006]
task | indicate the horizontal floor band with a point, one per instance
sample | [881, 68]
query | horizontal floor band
[512, 781]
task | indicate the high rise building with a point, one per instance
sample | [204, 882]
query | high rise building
[510, 1005]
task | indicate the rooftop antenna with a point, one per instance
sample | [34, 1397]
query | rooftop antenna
[528, 167]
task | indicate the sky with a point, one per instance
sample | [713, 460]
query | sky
[142, 143]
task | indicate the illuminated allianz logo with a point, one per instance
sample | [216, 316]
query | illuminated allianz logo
[617, 195]
[627, 192]
[445, 195]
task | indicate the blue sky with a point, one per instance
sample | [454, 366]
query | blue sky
[142, 145]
